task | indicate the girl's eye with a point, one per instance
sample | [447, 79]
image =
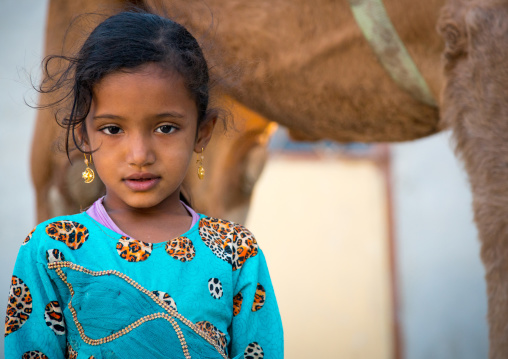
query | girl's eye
[166, 129]
[111, 130]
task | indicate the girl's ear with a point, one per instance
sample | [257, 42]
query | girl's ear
[205, 131]
[82, 137]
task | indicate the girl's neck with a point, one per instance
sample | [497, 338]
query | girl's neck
[151, 225]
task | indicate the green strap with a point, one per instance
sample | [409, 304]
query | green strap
[377, 28]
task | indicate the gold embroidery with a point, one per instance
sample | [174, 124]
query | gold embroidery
[57, 266]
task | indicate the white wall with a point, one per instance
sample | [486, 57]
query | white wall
[322, 224]
[21, 37]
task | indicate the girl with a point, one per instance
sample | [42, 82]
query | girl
[140, 274]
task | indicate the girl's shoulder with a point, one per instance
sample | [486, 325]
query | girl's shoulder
[233, 241]
[222, 225]
[228, 231]
[63, 228]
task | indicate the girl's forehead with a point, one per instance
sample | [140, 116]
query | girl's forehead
[143, 81]
[143, 92]
[149, 70]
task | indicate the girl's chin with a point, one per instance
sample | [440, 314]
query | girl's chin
[144, 202]
[141, 200]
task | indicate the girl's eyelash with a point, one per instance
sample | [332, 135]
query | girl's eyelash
[114, 130]
[111, 130]
[170, 128]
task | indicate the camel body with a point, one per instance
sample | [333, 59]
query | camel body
[307, 66]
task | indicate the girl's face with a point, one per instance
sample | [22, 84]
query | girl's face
[142, 126]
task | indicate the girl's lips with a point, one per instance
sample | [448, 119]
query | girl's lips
[140, 176]
[141, 184]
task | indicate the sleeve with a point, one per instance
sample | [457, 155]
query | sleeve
[256, 329]
[34, 324]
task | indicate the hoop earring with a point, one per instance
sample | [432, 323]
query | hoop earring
[201, 169]
[88, 174]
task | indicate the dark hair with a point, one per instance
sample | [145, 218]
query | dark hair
[122, 42]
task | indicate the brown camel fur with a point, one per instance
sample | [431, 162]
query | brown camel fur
[475, 105]
[307, 66]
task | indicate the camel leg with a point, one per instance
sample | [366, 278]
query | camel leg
[475, 104]
[41, 166]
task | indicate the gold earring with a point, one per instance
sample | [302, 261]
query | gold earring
[88, 174]
[201, 169]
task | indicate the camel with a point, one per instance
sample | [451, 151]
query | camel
[308, 67]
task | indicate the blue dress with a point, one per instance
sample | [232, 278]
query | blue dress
[81, 290]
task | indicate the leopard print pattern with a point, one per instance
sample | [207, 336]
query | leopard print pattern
[71, 233]
[19, 306]
[215, 288]
[34, 354]
[133, 250]
[237, 303]
[230, 242]
[244, 247]
[54, 255]
[166, 298]
[259, 298]
[253, 351]
[181, 248]
[28, 237]
[213, 333]
[217, 235]
[54, 317]
[71, 353]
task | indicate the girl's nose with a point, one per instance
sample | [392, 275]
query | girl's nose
[139, 151]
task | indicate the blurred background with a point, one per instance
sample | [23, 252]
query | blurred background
[371, 248]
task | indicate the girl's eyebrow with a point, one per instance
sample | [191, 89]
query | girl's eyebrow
[170, 114]
[107, 116]
[160, 115]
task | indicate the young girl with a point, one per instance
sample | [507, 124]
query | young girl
[140, 274]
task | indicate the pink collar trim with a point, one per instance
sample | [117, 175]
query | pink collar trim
[98, 212]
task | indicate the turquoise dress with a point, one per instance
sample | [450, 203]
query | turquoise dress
[81, 290]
